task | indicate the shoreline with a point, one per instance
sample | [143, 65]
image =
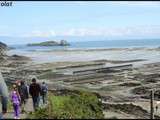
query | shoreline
[120, 54]
[126, 86]
[66, 48]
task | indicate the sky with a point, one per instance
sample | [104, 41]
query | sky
[110, 19]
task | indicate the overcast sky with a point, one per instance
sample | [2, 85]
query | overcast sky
[110, 19]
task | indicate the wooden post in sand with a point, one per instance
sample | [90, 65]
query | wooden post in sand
[152, 104]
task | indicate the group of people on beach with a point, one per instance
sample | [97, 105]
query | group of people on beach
[19, 96]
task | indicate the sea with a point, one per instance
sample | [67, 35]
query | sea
[82, 51]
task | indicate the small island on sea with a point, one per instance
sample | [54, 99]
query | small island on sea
[50, 43]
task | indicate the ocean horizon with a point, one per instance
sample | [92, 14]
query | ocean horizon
[101, 44]
[76, 52]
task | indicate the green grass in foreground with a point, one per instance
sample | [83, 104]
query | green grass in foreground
[9, 106]
[81, 105]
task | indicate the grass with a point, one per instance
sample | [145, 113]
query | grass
[9, 106]
[74, 106]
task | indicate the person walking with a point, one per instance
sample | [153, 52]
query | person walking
[15, 99]
[4, 94]
[24, 94]
[34, 90]
[44, 91]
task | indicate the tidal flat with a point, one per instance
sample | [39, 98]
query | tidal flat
[129, 84]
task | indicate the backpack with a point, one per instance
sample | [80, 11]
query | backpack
[24, 91]
[44, 89]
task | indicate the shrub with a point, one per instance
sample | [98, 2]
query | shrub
[78, 105]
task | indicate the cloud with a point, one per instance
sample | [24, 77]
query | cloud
[80, 2]
[115, 32]
[143, 31]
[79, 32]
[138, 3]
[38, 33]
[138, 30]
[121, 3]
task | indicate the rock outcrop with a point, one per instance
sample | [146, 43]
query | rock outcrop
[2, 45]
[64, 43]
[3, 48]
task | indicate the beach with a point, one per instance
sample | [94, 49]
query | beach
[119, 75]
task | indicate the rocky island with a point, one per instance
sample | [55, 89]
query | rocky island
[50, 43]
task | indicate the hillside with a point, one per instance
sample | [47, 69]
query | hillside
[3, 48]
[70, 105]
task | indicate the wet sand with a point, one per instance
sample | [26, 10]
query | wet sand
[78, 55]
[127, 86]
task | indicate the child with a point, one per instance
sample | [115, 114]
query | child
[15, 98]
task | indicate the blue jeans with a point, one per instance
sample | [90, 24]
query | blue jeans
[44, 98]
[1, 116]
[35, 102]
[4, 104]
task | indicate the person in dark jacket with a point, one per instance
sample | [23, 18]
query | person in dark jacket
[34, 90]
[23, 91]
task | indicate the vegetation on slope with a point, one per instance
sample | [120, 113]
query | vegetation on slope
[78, 105]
